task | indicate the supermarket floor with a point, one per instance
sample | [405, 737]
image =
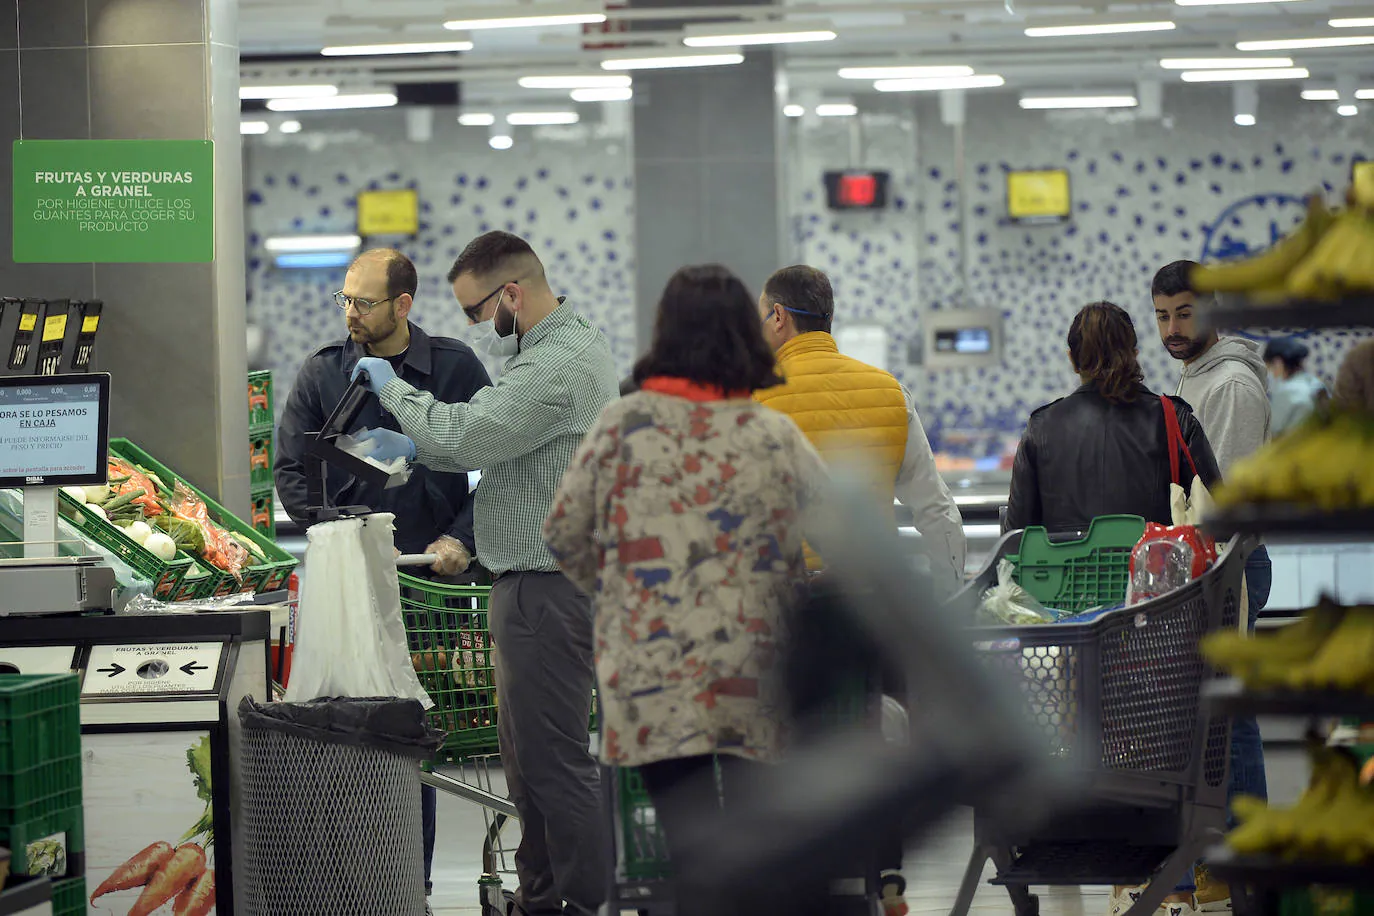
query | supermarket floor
[933, 870]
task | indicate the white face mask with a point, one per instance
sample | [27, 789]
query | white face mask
[484, 335]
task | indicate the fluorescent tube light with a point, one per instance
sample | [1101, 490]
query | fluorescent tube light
[742, 39]
[537, 118]
[289, 127]
[477, 119]
[836, 110]
[1361, 22]
[902, 73]
[1224, 63]
[1321, 95]
[524, 22]
[607, 94]
[1245, 120]
[1347, 111]
[1231, 76]
[1364, 95]
[336, 103]
[1105, 28]
[300, 243]
[1225, 2]
[672, 61]
[576, 81]
[793, 111]
[500, 141]
[1305, 44]
[314, 260]
[287, 92]
[254, 127]
[981, 81]
[405, 47]
[1044, 103]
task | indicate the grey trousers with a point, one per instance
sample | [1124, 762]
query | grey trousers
[541, 625]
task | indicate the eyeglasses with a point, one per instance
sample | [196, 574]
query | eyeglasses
[363, 306]
[473, 311]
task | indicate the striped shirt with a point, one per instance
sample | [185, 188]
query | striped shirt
[521, 434]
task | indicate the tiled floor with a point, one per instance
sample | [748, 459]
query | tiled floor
[933, 870]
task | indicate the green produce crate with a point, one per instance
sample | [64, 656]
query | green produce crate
[41, 789]
[260, 407]
[263, 518]
[40, 720]
[27, 842]
[260, 457]
[69, 897]
[200, 581]
[263, 577]
[1077, 576]
[643, 850]
[165, 575]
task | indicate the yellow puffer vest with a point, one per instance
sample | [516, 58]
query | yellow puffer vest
[851, 412]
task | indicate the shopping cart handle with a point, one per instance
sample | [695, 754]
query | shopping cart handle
[417, 559]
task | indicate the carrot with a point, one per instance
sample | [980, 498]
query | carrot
[198, 898]
[136, 871]
[183, 868]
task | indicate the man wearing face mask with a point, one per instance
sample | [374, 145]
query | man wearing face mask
[522, 434]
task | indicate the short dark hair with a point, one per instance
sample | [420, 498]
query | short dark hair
[806, 294]
[1173, 279]
[1102, 345]
[708, 331]
[401, 276]
[495, 252]
[1290, 350]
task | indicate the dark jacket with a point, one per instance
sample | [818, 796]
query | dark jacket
[430, 503]
[1083, 457]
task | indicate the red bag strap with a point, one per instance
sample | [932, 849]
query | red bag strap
[1176, 441]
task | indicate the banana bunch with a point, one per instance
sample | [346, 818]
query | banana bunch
[1329, 255]
[1329, 648]
[1323, 462]
[1333, 821]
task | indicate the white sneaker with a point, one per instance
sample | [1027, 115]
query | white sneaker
[1123, 900]
[1176, 909]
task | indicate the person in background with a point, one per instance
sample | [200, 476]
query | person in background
[434, 511]
[1293, 391]
[522, 433]
[1103, 450]
[854, 413]
[1355, 379]
[683, 511]
[1224, 380]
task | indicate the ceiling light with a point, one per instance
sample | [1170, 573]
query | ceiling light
[537, 118]
[1229, 76]
[1363, 22]
[836, 110]
[794, 111]
[287, 92]
[672, 61]
[901, 73]
[314, 261]
[1225, 2]
[741, 39]
[336, 103]
[254, 127]
[408, 47]
[289, 127]
[1364, 95]
[1224, 63]
[1245, 120]
[1040, 103]
[1106, 28]
[299, 243]
[1321, 95]
[608, 94]
[477, 119]
[576, 81]
[1305, 44]
[588, 17]
[981, 81]
[500, 141]
[1347, 111]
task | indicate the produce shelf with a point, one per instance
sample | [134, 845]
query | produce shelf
[1356, 311]
[1272, 871]
[1278, 521]
[1229, 696]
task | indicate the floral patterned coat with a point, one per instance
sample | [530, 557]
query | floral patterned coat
[684, 519]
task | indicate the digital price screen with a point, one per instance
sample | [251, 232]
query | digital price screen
[54, 430]
[856, 190]
[1039, 197]
[388, 212]
[964, 341]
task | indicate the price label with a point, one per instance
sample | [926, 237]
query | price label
[89, 324]
[54, 327]
[28, 322]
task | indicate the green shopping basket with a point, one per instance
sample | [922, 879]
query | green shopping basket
[1080, 575]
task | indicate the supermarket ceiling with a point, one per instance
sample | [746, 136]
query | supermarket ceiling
[983, 45]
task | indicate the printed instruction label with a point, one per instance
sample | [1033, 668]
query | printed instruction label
[156, 668]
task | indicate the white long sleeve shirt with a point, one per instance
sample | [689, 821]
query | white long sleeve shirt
[923, 491]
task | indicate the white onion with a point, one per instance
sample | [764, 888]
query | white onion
[161, 546]
[140, 531]
[76, 493]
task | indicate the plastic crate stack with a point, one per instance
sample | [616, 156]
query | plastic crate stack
[260, 454]
[41, 820]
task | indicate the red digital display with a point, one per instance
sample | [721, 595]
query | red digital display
[856, 190]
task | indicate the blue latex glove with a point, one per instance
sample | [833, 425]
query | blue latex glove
[386, 444]
[379, 372]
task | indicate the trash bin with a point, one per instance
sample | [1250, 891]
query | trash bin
[331, 807]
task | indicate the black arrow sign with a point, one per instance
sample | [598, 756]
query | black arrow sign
[115, 669]
[191, 667]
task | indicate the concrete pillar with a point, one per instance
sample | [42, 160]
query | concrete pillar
[172, 335]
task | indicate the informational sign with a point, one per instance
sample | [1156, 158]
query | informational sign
[54, 431]
[1040, 196]
[856, 190]
[388, 212]
[114, 201]
[157, 668]
[36, 659]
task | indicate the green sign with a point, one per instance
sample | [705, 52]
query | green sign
[114, 201]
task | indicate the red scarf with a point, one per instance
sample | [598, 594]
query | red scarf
[686, 388]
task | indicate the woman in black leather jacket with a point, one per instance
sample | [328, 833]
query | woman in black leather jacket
[1103, 450]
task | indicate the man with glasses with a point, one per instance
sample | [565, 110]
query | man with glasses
[522, 434]
[434, 508]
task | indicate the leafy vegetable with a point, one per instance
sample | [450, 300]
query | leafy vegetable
[47, 857]
[186, 533]
[198, 762]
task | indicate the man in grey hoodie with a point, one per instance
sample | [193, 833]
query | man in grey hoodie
[1225, 382]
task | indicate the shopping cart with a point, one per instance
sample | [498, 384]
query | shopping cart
[1117, 702]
